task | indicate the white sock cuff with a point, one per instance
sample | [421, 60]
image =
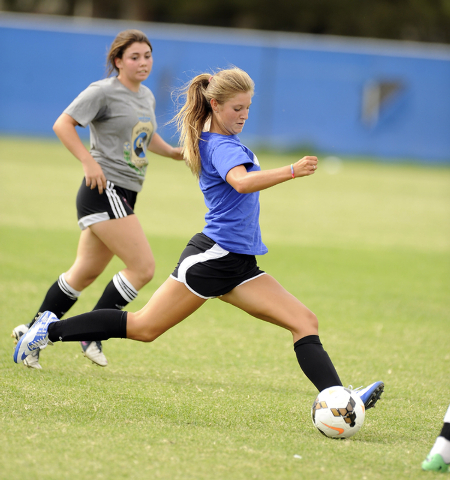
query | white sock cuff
[67, 289]
[447, 416]
[124, 287]
[442, 446]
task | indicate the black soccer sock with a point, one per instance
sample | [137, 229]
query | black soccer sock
[118, 293]
[445, 432]
[59, 299]
[92, 326]
[315, 362]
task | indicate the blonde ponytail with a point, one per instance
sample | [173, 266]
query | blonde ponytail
[191, 119]
[196, 111]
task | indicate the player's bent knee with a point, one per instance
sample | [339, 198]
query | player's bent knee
[146, 336]
[313, 321]
[139, 330]
[308, 324]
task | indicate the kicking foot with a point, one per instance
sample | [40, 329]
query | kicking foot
[371, 394]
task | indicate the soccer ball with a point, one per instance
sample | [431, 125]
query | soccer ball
[337, 412]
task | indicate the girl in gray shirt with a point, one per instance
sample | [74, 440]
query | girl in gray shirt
[120, 112]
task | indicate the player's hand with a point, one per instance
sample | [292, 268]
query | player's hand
[176, 154]
[305, 166]
[95, 178]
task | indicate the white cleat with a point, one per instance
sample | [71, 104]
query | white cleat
[18, 332]
[93, 351]
[32, 361]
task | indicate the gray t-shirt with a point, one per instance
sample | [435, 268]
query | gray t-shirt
[121, 124]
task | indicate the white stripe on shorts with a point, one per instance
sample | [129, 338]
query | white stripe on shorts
[89, 220]
[114, 201]
[213, 253]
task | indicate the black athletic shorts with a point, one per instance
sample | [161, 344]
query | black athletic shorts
[93, 207]
[209, 271]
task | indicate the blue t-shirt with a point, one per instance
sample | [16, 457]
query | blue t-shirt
[233, 218]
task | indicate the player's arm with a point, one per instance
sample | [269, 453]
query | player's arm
[160, 147]
[249, 182]
[64, 128]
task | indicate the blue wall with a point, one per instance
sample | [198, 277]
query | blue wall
[309, 89]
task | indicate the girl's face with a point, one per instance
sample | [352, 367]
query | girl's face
[135, 65]
[229, 118]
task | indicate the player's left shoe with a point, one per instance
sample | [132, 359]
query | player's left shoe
[371, 394]
[35, 338]
[32, 361]
[435, 463]
[94, 351]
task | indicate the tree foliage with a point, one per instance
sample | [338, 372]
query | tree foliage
[420, 20]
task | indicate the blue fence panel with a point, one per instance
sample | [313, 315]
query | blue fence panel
[333, 95]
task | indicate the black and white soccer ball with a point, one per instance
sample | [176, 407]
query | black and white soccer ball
[338, 412]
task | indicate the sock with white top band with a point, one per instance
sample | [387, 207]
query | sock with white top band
[59, 299]
[118, 293]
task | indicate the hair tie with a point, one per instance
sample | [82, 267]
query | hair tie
[210, 78]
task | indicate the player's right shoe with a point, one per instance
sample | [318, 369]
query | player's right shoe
[435, 463]
[32, 361]
[36, 338]
[93, 351]
[371, 394]
[18, 332]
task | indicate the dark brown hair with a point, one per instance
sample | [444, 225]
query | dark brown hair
[120, 44]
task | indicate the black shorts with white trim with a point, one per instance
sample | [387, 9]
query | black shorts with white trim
[210, 271]
[94, 207]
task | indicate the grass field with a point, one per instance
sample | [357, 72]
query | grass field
[221, 396]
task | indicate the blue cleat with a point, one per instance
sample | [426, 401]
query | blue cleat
[371, 394]
[35, 338]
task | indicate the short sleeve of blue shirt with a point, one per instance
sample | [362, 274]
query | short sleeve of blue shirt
[232, 219]
[227, 156]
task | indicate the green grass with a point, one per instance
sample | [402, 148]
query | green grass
[221, 396]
